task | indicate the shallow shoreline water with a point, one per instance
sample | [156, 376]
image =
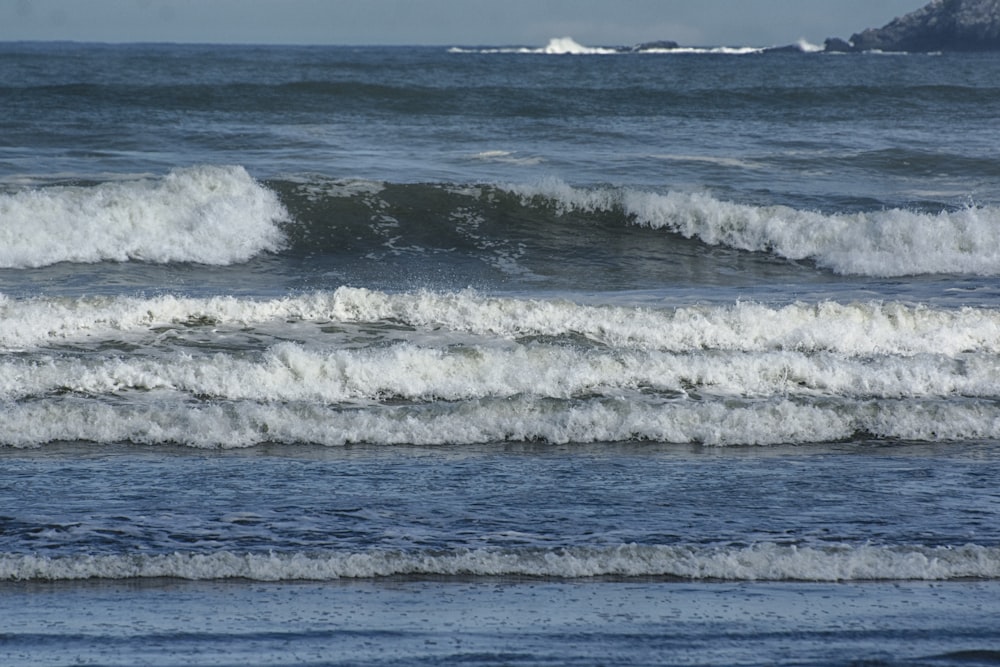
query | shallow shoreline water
[856, 511]
[499, 621]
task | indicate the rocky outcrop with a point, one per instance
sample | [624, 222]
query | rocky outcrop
[942, 25]
[661, 45]
[837, 45]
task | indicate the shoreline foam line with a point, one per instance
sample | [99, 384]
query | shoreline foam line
[759, 562]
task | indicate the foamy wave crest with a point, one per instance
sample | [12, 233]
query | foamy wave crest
[39, 321]
[885, 243]
[556, 46]
[208, 215]
[567, 45]
[712, 50]
[808, 47]
[851, 329]
[463, 368]
[763, 562]
[229, 425]
[294, 372]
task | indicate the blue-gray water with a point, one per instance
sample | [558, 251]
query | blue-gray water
[527, 358]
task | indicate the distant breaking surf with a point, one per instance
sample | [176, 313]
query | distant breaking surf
[569, 46]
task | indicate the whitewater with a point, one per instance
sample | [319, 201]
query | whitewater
[761, 562]
[205, 215]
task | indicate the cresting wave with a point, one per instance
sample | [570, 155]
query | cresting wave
[207, 215]
[222, 216]
[231, 425]
[894, 242]
[879, 243]
[761, 562]
[851, 329]
[427, 368]
[404, 371]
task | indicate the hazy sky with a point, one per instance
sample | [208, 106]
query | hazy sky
[446, 22]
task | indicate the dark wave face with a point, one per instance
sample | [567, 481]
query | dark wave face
[501, 238]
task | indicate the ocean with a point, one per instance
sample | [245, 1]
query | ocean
[488, 355]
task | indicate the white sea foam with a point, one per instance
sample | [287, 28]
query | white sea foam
[165, 420]
[761, 562]
[209, 215]
[569, 46]
[711, 50]
[30, 322]
[854, 329]
[294, 372]
[478, 369]
[892, 242]
[556, 46]
[808, 47]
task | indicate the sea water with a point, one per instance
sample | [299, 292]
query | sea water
[554, 355]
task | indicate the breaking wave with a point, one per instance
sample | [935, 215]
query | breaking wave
[853, 329]
[206, 215]
[878, 243]
[556, 46]
[762, 562]
[162, 419]
[893, 242]
[222, 216]
[426, 368]
[569, 46]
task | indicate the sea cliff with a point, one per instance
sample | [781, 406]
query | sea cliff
[941, 25]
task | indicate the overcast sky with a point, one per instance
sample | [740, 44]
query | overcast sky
[446, 22]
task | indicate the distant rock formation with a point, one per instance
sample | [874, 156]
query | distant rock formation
[942, 25]
[661, 45]
[837, 45]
